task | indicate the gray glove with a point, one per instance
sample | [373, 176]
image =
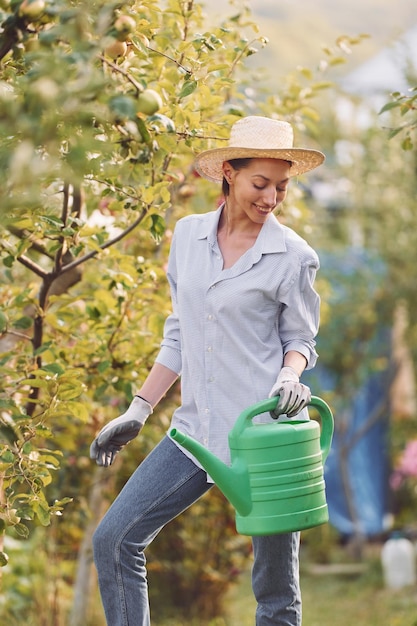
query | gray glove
[117, 433]
[293, 395]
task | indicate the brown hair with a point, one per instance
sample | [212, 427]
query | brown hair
[237, 164]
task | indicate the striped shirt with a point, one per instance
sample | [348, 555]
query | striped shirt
[230, 328]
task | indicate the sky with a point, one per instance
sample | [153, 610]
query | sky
[298, 29]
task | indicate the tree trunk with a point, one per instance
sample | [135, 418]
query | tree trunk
[2, 534]
[82, 587]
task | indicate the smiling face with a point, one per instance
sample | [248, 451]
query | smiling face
[257, 188]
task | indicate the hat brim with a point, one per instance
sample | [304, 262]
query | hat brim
[209, 163]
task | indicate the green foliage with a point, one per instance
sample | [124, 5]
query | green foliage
[405, 105]
[36, 588]
[301, 88]
[368, 238]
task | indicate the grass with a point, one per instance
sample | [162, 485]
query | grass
[342, 596]
[338, 594]
[353, 602]
[329, 599]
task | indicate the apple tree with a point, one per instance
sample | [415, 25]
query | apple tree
[102, 108]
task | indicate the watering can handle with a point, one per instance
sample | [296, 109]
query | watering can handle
[265, 406]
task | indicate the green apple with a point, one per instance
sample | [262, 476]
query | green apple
[116, 49]
[45, 89]
[32, 8]
[124, 26]
[149, 102]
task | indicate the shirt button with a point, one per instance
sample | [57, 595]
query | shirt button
[210, 317]
[206, 411]
[209, 349]
[211, 379]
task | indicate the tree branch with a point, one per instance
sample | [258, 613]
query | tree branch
[239, 56]
[177, 63]
[64, 218]
[10, 35]
[139, 88]
[14, 333]
[36, 244]
[108, 244]
[32, 266]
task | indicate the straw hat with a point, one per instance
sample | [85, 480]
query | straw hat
[258, 137]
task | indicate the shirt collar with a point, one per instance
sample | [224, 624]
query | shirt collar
[271, 238]
[208, 225]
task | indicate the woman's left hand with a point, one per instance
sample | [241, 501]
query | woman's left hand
[293, 395]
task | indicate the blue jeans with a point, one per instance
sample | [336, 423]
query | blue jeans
[165, 484]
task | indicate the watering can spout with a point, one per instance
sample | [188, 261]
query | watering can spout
[233, 481]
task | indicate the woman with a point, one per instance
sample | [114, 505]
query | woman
[245, 315]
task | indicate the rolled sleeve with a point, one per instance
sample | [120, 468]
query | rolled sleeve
[170, 352]
[299, 321]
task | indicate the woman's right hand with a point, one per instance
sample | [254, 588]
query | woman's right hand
[117, 433]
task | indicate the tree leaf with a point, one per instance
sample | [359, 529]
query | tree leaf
[166, 122]
[3, 322]
[389, 106]
[42, 512]
[23, 323]
[187, 89]
[123, 107]
[407, 143]
[22, 530]
[53, 368]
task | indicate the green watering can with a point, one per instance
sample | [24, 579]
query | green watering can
[275, 481]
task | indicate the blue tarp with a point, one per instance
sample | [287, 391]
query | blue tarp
[367, 460]
[367, 464]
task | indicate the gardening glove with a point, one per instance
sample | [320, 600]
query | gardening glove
[293, 395]
[117, 433]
